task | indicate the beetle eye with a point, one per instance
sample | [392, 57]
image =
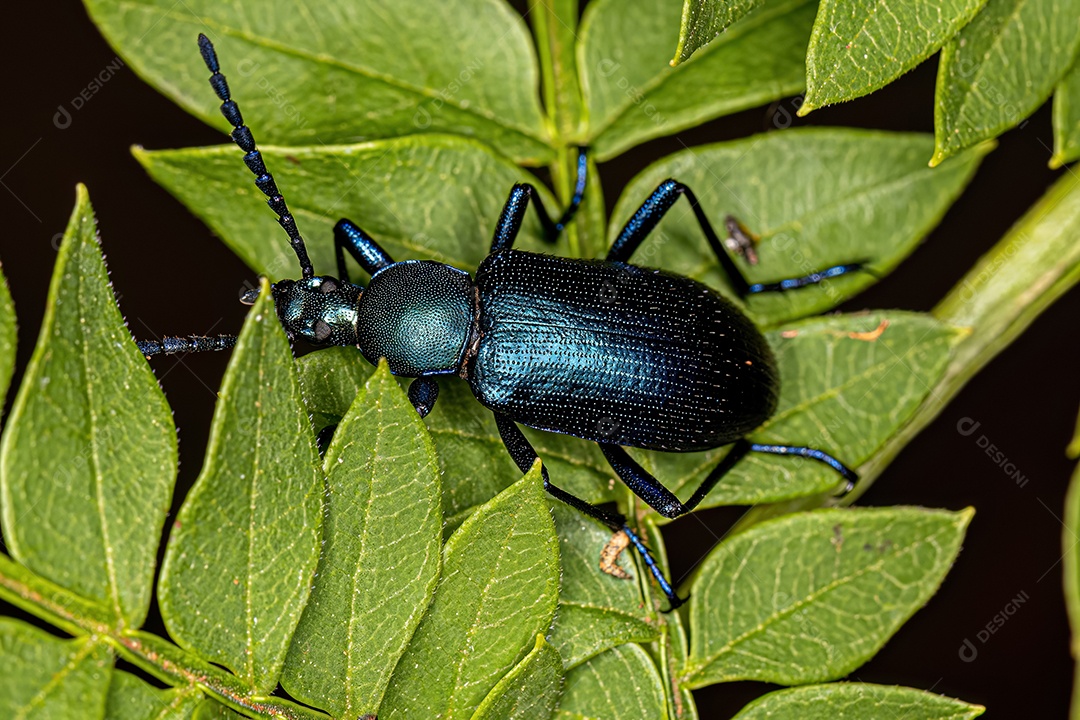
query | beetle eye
[328, 286]
[322, 330]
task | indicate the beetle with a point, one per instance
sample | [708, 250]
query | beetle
[603, 350]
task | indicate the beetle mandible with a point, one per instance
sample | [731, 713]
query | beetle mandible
[603, 350]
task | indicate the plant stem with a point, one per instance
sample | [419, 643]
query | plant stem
[179, 668]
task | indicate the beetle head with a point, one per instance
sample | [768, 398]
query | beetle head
[320, 310]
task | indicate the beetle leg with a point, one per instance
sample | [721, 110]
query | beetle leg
[847, 473]
[513, 213]
[523, 455]
[363, 248]
[643, 222]
[423, 392]
[642, 483]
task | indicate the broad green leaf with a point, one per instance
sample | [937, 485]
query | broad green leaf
[620, 684]
[45, 678]
[343, 71]
[786, 187]
[633, 94]
[856, 700]
[428, 197]
[1067, 119]
[1000, 68]
[704, 20]
[382, 536]
[472, 458]
[240, 560]
[812, 596]
[596, 611]
[89, 452]
[528, 692]
[860, 47]
[7, 337]
[848, 383]
[132, 699]
[497, 592]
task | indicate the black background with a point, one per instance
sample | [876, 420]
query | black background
[173, 277]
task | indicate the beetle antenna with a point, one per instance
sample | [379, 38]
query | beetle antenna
[241, 135]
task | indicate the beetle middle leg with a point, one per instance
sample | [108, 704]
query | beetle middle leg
[523, 455]
[646, 218]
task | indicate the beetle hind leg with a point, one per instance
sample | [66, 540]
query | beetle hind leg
[523, 455]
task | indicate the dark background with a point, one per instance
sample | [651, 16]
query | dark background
[173, 277]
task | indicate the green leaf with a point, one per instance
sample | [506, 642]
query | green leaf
[620, 684]
[45, 678]
[132, 699]
[89, 452]
[1070, 567]
[382, 533]
[530, 691]
[786, 187]
[704, 20]
[429, 197]
[473, 461]
[7, 337]
[353, 71]
[213, 710]
[177, 667]
[812, 596]
[1067, 119]
[860, 47]
[240, 560]
[633, 94]
[857, 700]
[1000, 68]
[596, 611]
[848, 383]
[497, 592]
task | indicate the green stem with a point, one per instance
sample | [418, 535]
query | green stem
[179, 668]
[1036, 262]
[554, 25]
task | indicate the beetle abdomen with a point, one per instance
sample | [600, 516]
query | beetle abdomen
[615, 353]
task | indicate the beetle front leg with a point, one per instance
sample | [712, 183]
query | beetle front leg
[423, 392]
[523, 455]
[349, 236]
[513, 213]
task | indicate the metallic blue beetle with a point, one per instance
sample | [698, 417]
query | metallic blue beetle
[599, 349]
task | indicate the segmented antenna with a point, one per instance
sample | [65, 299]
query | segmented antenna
[191, 343]
[241, 135]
